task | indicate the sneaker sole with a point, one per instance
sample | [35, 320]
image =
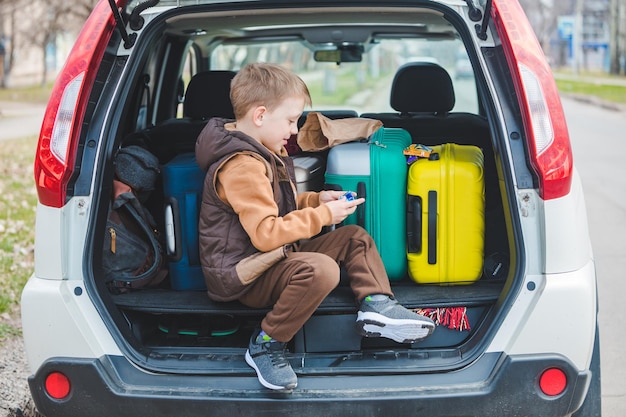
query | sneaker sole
[399, 330]
[262, 380]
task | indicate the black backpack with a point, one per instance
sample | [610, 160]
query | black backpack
[132, 255]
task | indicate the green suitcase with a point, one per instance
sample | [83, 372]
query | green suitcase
[376, 169]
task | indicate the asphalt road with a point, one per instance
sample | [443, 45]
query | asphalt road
[19, 120]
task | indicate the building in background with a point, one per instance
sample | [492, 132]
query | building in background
[583, 37]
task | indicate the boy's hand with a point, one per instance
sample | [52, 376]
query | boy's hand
[339, 207]
[329, 195]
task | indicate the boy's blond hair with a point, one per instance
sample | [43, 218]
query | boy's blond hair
[264, 84]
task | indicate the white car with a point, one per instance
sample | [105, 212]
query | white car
[519, 340]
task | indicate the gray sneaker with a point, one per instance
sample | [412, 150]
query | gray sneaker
[267, 357]
[387, 318]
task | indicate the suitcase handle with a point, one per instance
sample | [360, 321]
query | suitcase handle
[173, 237]
[414, 224]
[360, 210]
[432, 227]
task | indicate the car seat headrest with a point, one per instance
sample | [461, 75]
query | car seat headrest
[422, 87]
[208, 95]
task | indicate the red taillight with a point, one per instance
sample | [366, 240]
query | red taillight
[60, 130]
[552, 382]
[57, 385]
[544, 121]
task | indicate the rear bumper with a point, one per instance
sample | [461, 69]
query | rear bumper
[494, 385]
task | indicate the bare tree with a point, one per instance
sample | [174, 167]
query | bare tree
[618, 36]
[24, 23]
[8, 19]
[55, 18]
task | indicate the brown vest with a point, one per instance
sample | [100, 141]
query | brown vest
[229, 260]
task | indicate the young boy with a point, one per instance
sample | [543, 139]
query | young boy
[255, 232]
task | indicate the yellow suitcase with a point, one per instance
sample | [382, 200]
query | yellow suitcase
[446, 216]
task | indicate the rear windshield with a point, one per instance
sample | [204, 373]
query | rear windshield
[334, 86]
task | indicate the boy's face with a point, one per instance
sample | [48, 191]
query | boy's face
[276, 126]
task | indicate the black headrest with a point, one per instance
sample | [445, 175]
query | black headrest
[208, 95]
[422, 87]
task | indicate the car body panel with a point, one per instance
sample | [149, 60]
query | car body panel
[525, 332]
[71, 327]
[568, 247]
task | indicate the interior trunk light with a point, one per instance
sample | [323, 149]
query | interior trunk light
[57, 385]
[553, 382]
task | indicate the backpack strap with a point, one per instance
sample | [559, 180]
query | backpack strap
[152, 274]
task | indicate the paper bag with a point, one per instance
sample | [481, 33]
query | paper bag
[319, 132]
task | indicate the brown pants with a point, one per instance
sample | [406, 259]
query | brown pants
[297, 285]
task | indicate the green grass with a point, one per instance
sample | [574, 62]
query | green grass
[7, 331]
[17, 220]
[600, 85]
[612, 93]
[34, 94]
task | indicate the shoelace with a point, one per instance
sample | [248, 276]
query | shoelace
[276, 351]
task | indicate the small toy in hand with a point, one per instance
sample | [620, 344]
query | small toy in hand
[348, 196]
[416, 151]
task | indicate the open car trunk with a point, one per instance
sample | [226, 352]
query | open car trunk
[182, 330]
[166, 324]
